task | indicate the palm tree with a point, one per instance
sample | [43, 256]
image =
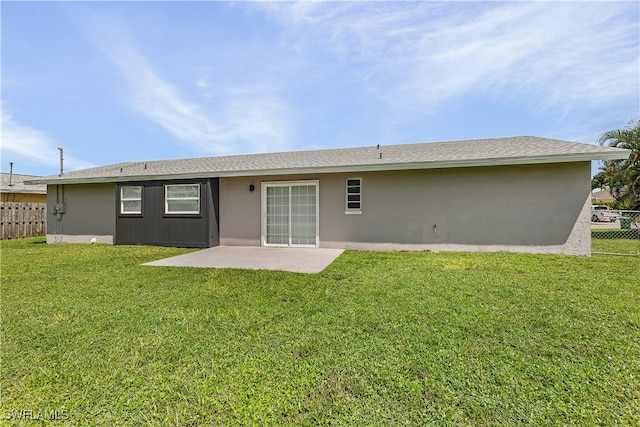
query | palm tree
[622, 176]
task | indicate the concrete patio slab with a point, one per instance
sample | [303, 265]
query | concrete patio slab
[297, 260]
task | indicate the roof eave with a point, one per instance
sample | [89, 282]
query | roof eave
[22, 191]
[371, 167]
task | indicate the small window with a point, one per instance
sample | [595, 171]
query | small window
[131, 200]
[354, 196]
[182, 199]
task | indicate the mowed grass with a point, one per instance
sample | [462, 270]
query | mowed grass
[625, 242]
[378, 338]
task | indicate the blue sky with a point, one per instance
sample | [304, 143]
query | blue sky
[125, 81]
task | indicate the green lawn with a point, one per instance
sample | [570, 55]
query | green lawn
[616, 241]
[91, 337]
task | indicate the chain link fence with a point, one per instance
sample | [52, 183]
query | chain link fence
[617, 233]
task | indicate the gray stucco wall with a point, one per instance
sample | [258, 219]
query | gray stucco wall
[529, 208]
[89, 212]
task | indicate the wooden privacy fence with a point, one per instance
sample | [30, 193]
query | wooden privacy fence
[18, 220]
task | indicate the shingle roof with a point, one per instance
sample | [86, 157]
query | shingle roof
[479, 152]
[18, 184]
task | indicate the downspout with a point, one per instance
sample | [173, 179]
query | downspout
[59, 207]
[58, 210]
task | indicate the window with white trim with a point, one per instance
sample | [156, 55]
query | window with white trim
[353, 197]
[182, 199]
[131, 199]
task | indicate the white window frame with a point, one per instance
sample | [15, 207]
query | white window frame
[347, 209]
[263, 231]
[130, 199]
[167, 199]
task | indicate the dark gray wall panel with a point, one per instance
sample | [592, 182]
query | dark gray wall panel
[154, 227]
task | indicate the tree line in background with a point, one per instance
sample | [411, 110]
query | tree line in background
[621, 177]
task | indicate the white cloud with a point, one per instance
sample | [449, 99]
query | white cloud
[35, 145]
[416, 55]
[242, 121]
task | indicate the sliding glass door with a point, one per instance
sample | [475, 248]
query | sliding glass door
[290, 212]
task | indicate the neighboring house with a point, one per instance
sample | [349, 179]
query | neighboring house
[600, 195]
[524, 194]
[14, 189]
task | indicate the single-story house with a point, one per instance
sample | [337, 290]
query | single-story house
[525, 194]
[601, 195]
[14, 189]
